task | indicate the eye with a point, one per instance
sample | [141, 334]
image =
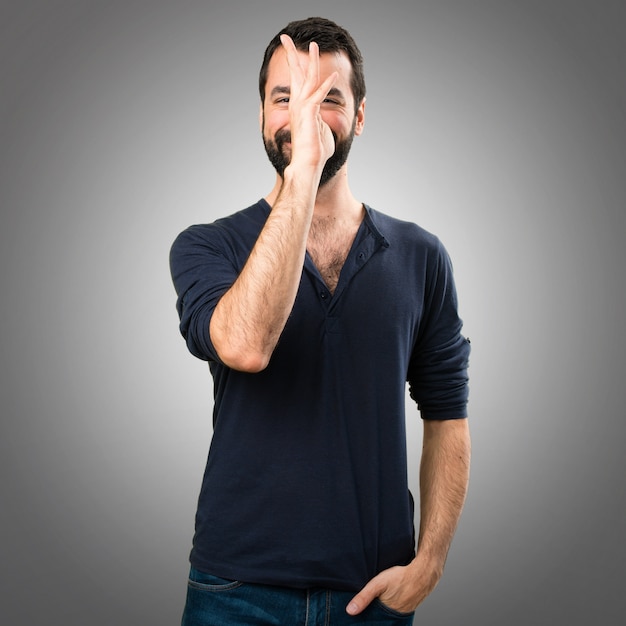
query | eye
[284, 100]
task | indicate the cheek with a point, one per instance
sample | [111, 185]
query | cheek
[275, 120]
[338, 122]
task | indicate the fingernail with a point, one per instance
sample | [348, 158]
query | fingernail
[352, 608]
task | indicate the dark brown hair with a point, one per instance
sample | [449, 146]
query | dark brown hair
[330, 38]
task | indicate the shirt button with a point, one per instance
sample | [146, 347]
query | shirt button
[323, 295]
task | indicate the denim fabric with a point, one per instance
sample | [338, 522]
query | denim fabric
[213, 601]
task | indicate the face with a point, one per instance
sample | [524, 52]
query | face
[337, 111]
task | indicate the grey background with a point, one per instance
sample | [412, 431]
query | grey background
[500, 126]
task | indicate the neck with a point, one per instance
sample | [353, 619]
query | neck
[333, 200]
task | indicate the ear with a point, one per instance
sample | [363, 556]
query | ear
[360, 118]
[261, 117]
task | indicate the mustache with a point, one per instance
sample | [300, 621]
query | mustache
[282, 137]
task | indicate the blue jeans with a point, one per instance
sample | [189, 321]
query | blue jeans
[213, 601]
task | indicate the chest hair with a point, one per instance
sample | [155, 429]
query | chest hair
[328, 245]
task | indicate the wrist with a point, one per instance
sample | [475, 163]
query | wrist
[431, 565]
[304, 169]
[302, 181]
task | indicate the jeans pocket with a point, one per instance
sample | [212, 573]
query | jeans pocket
[209, 582]
[392, 612]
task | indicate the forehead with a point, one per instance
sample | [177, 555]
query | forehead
[278, 69]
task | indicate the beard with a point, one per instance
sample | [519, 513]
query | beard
[279, 158]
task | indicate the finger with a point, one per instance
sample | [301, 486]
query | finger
[287, 43]
[293, 59]
[365, 597]
[290, 51]
[313, 70]
[322, 91]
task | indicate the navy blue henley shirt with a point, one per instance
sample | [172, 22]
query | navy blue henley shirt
[306, 479]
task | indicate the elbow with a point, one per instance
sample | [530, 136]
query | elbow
[237, 350]
[247, 361]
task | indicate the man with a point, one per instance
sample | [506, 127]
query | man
[313, 310]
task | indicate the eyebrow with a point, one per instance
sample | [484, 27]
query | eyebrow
[284, 90]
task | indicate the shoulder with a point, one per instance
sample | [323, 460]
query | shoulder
[403, 233]
[235, 231]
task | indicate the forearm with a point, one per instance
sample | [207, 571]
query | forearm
[444, 476]
[249, 318]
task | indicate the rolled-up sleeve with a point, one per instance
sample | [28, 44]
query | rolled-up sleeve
[437, 376]
[201, 275]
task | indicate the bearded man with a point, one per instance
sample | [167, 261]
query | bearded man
[313, 311]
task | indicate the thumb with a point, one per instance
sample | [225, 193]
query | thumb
[363, 599]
